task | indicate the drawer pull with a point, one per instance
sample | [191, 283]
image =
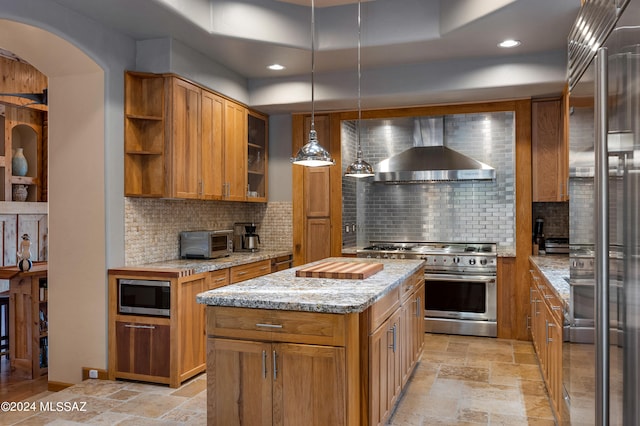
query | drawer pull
[409, 288]
[264, 268]
[220, 279]
[242, 273]
[548, 296]
[556, 308]
[148, 327]
[269, 325]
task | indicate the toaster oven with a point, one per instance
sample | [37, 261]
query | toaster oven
[206, 244]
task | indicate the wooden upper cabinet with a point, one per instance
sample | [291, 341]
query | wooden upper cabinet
[184, 141]
[257, 156]
[212, 146]
[550, 151]
[185, 120]
[235, 152]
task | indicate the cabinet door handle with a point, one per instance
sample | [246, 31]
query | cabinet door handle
[548, 324]
[269, 325]
[148, 327]
[264, 364]
[275, 365]
[392, 330]
[528, 322]
[418, 304]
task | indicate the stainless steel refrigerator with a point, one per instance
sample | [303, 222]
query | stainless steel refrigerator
[601, 350]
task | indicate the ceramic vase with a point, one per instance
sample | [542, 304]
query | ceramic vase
[19, 164]
[20, 193]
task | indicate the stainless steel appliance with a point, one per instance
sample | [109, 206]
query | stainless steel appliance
[460, 283]
[206, 244]
[144, 297]
[245, 236]
[601, 366]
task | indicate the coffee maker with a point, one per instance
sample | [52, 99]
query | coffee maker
[246, 237]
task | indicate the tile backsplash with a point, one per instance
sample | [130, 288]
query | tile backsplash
[152, 226]
[465, 211]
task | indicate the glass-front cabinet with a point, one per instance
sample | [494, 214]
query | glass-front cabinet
[257, 152]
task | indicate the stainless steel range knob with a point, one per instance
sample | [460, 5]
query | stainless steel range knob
[483, 261]
[472, 261]
[456, 260]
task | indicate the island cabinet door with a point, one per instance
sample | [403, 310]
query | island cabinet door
[384, 369]
[239, 390]
[309, 385]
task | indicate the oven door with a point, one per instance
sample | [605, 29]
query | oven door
[464, 297]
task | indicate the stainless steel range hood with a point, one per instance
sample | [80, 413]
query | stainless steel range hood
[429, 160]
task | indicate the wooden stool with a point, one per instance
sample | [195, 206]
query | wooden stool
[4, 324]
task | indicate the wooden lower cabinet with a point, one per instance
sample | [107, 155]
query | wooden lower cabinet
[143, 349]
[250, 270]
[546, 323]
[395, 347]
[385, 374]
[258, 383]
[276, 367]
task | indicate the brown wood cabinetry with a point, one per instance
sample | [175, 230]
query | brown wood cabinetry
[395, 345]
[250, 270]
[257, 156]
[184, 141]
[23, 125]
[143, 348]
[158, 349]
[550, 151]
[28, 324]
[274, 367]
[290, 370]
[546, 321]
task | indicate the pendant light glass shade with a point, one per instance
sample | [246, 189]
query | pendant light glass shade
[359, 168]
[312, 154]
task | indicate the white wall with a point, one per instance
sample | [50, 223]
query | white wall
[85, 64]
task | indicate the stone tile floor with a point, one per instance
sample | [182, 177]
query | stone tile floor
[460, 380]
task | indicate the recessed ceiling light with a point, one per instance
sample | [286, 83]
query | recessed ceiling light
[276, 67]
[509, 43]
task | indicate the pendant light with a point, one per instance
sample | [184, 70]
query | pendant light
[313, 154]
[359, 168]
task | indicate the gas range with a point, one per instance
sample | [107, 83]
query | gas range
[468, 258]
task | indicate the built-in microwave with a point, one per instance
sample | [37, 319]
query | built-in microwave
[206, 244]
[144, 297]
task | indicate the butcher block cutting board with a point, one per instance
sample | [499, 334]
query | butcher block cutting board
[340, 270]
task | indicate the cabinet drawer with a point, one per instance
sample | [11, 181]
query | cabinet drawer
[410, 285]
[218, 278]
[250, 270]
[383, 308]
[277, 326]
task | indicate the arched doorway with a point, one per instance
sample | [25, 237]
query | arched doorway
[77, 224]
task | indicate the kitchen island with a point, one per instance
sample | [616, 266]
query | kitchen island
[282, 348]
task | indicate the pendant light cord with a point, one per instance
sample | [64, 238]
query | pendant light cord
[313, 62]
[359, 149]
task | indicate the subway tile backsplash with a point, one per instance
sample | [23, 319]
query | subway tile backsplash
[476, 211]
[152, 226]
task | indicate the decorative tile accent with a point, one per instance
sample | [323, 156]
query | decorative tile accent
[153, 226]
[478, 211]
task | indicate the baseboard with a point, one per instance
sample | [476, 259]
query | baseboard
[102, 374]
[57, 386]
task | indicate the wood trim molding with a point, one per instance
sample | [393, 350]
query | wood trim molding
[53, 386]
[523, 219]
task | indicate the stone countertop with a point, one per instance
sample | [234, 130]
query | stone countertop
[284, 291]
[196, 266]
[555, 269]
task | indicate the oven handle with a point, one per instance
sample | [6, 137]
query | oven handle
[460, 278]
